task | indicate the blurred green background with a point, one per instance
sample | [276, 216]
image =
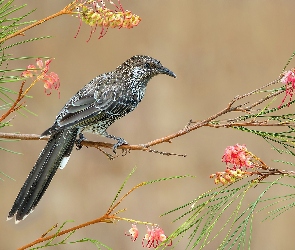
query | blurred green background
[217, 49]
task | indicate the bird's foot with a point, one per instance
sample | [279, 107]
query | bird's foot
[79, 141]
[120, 142]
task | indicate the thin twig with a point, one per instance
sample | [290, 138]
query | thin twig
[66, 10]
[14, 106]
[21, 94]
[104, 218]
[107, 218]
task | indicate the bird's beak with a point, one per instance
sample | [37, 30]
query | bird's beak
[168, 72]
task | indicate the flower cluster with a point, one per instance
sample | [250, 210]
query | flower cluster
[288, 78]
[104, 17]
[94, 14]
[229, 176]
[153, 237]
[50, 79]
[238, 160]
[238, 156]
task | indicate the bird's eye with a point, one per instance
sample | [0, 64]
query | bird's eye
[147, 65]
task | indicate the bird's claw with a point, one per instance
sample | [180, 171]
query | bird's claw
[118, 144]
[79, 141]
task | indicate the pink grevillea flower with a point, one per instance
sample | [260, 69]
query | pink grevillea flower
[289, 80]
[238, 156]
[29, 72]
[133, 232]
[39, 63]
[154, 237]
[51, 79]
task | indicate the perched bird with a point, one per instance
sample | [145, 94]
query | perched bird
[101, 102]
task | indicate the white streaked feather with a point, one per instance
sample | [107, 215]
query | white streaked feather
[64, 162]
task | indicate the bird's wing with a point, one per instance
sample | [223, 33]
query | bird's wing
[96, 104]
[86, 107]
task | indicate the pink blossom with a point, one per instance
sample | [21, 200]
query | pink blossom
[46, 68]
[51, 79]
[154, 236]
[55, 80]
[39, 63]
[288, 78]
[27, 74]
[32, 67]
[133, 232]
[238, 156]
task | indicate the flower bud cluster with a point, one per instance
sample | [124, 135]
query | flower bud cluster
[229, 176]
[104, 17]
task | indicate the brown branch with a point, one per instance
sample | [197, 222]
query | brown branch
[67, 10]
[21, 94]
[145, 147]
[14, 106]
[104, 218]
[210, 122]
[107, 218]
[271, 171]
[255, 91]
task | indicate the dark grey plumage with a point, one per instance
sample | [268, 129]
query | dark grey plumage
[93, 109]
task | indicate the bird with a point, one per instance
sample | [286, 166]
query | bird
[105, 99]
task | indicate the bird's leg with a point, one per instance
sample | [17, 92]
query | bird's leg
[120, 141]
[78, 141]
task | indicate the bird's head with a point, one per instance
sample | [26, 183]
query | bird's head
[143, 68]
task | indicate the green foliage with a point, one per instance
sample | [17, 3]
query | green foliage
[5, 175]
[10, 22]
[64, 241]
[55, 240]
[220, 216]
[285, 137]
[8, 75]
[122, 186]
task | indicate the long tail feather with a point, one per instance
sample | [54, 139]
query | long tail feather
[58, 148]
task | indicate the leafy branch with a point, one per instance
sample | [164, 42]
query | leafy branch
[66, 10]
[224, 206]
[109, 217]
[86, 10]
